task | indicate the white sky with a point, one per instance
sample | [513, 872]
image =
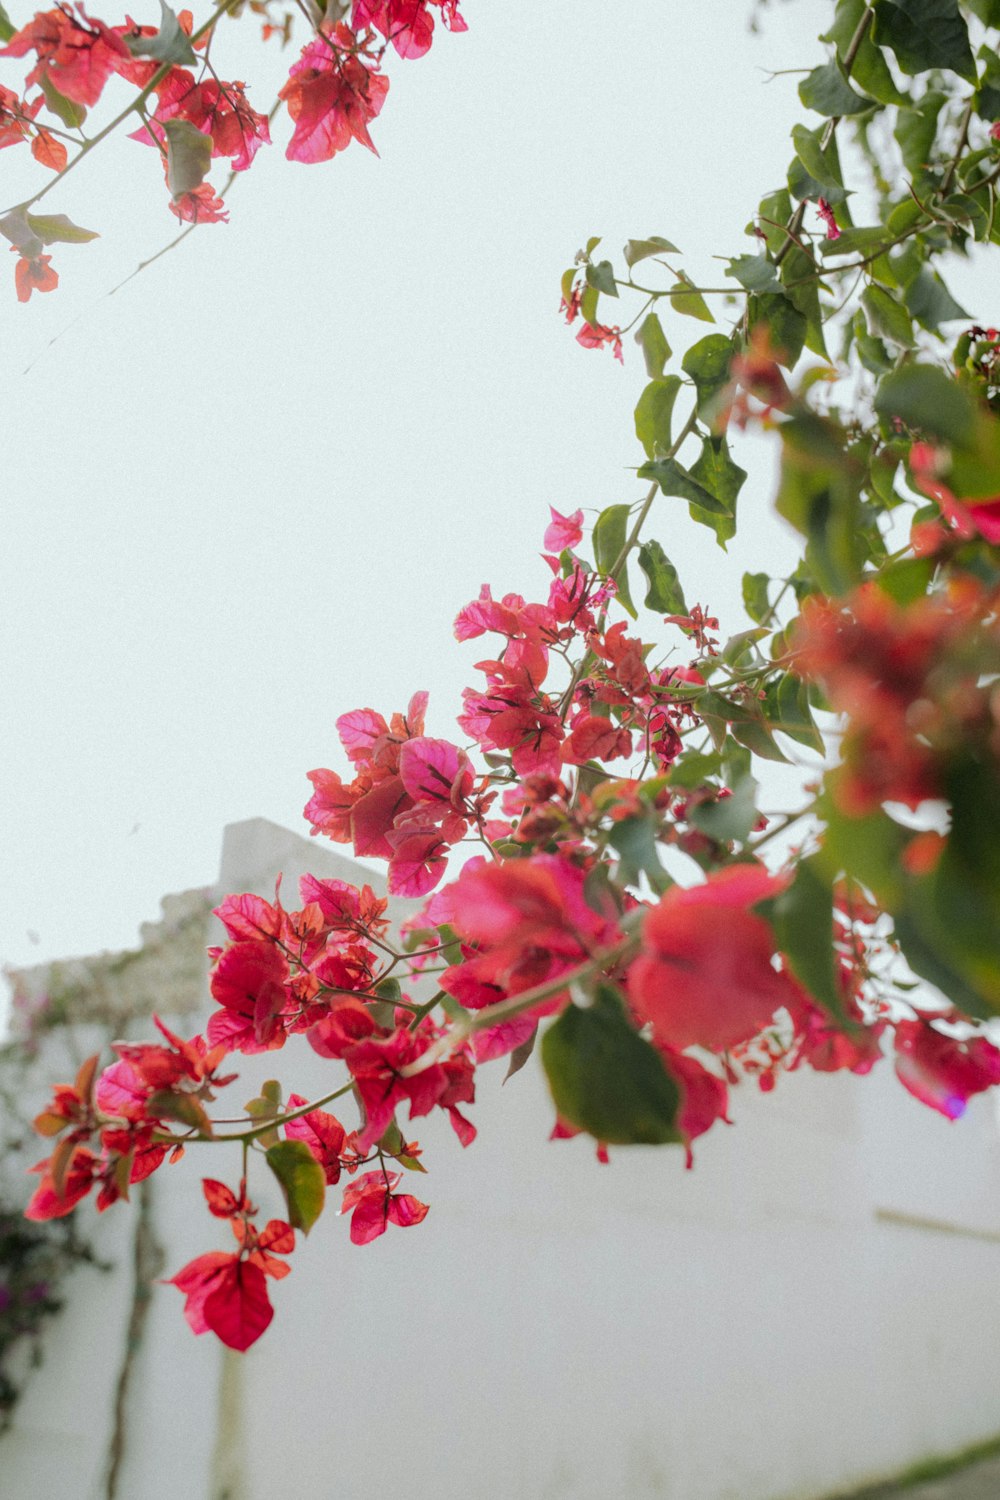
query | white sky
[251, 490]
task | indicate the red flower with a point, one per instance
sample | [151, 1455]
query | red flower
[226, 1295]
[596, 336]
[705, 976]
[826, 214]
[34, 276]
[200, 206]
[968, 517]
[322, 1133]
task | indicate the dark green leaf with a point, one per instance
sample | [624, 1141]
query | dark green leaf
[803, 927]
[886, 318]
[653, 413]
[867, 240]
[819, 167]
[924, 397]
[685, 299]
[755, 272]
[729, 818]
[819, 493]
[716, 472]
[925, 34]
[302, 1182]
[930, 301]
[189, 156]
[786, 326]
[637, 250]
[787, 708]
[606, 1079]
[915, 132]
[707, 362]
[56, 229]
[673, 479]
[653, 343]
[664, 593]
[870, 70]
[169, 45]
[828, 92]
[602, 276]
[801, 281]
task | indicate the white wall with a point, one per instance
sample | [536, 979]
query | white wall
[814, 1305]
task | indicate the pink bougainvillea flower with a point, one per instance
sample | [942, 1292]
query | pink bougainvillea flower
[704, 1097]
[827, 215]
[597, 336]
[563, 533]
[705, 976]
[408, 24]
[331, 96]
[943, 1071]
[64, 1183]
[249, 982]
[200, 206]
[373, 1206]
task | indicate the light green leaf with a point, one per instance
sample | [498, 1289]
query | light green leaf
[56, 229]
[924, 397]
[886, 318]
[68, 110]
[189, 156]
[653, 414]
[653, 343]
[7, 29]
[637, 250]
[754, 272]
[707, 362]
[169, 45]
[755, 600]
[602, 278]
[689, 302]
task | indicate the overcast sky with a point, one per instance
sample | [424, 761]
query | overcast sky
[251, 490]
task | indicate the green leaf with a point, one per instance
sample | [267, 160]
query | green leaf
[56, 229]
[653, 343]
[716, 472]
[610, 531]
[828, 92]
[803, 926]
[786, 326]
[302, 1182]
[707, 362]
[869, 70]
[819, 493]
[786, 708]
[609, 536]
[915, 132]
[773, 214]
[68, 110]
[673, 479]
[906, 580]
[800, 279]
[7, 29]
[820, 174]
[930, 301]
[637, 250]
[164, 1104]
[602, 277]
[754, 272]
[925, 34]
[634, 841]
[606, 1079]
[755, 600]
[653, 414]
[689, 302]
[866, 240]
[592, 244]
[588, 305]
[886, 318]
[664, 594]
[988, 11]
[169, 45]
[729, 818]
[15, 228]
[924, 397]
[189, 156]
